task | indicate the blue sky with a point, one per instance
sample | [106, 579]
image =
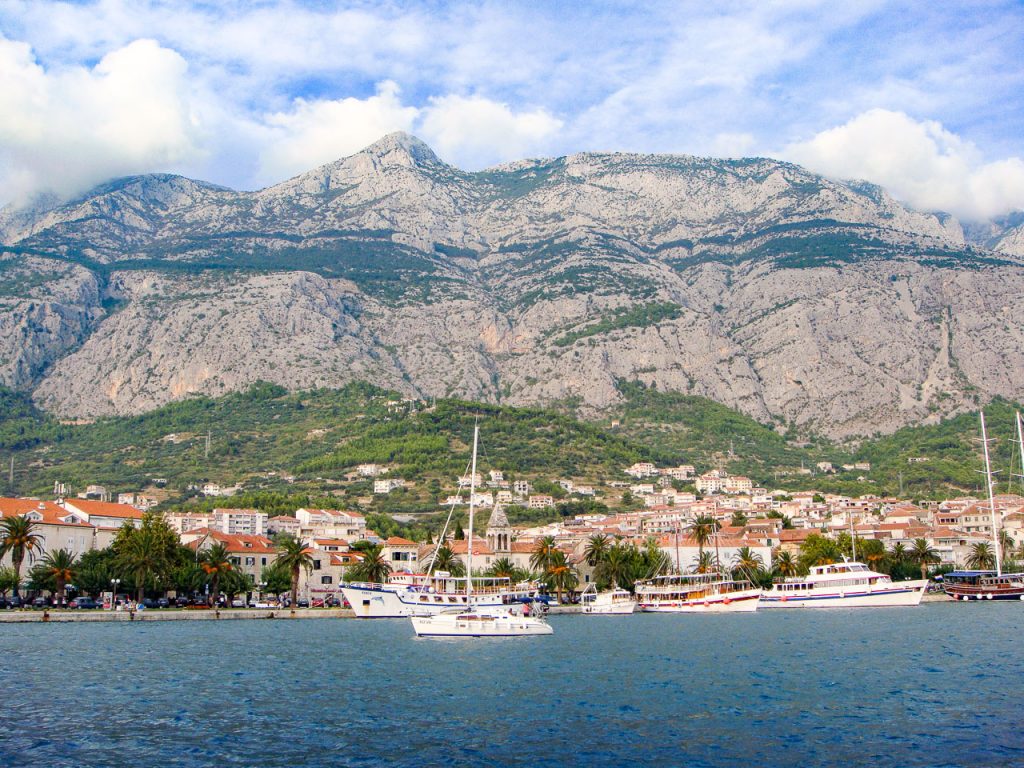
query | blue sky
[924, 98]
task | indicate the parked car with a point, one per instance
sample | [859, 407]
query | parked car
[302, 602]
[163, 602]
[181, 601]
[4, 602]
[267, 604]
[238, 602]
[147, 602]
[84, 603]
[16, 601]
[42, 602]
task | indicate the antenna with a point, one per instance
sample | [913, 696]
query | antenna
[10, 477]
[991, 496]
[206, 455]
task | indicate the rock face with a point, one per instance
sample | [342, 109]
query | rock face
[753, 282]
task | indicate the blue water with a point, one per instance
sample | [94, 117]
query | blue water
[934, 686]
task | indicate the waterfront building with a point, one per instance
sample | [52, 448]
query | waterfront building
[58, 528]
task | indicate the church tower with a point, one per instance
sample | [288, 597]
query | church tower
[499, 532]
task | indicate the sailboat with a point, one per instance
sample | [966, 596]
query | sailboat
[476, 620]
[988, 585]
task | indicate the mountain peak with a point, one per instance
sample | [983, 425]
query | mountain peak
[406, 149]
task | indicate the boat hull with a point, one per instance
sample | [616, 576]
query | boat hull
[898, 595]
[389, 602]
[470, 625]
[618, 609]
[746, 601]
[965, 594]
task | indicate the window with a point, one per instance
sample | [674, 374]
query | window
[326, 580]
[250, 561]
[316, 565]
[264, 561]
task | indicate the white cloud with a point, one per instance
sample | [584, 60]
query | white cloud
[919, 162]
[474, 132]
[319, 131]
[66, 129]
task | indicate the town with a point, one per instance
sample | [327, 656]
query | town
[659, 507]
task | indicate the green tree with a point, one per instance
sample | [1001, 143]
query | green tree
[560, 575]
[146, 554]
[373, 567]
[503, 568]
[447, 561]
[276, 579]
[818, 550]
[62, 566]
[785, 565]
[923, 554]
[597, 547]
[216, 562]
[982, 556]
[8, 581]
[18, 536]
[747, 563]
[293, 556]
[236, 582]
[617, 568]
[738, 519]
[706, 563]
[702, 528]
[95, 571]
[544, 554]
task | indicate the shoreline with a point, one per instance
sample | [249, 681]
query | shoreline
[158, 614]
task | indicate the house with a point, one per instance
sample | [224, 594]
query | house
[57, 527]
[641, 469]
[249, 554]
[541, 501]
[710, 482]
[189, 521]
[401, 554]
[106, 517]
[284, 524]
[370, 470]
[234, 521]
[330, 523]
[737, 484]
[388, 485]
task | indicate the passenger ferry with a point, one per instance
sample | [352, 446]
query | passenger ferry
[418, 594]
[696, 593]
[983, 585]
[843, 585]
[614, 601]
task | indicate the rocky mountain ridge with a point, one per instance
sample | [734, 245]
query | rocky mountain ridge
[789, 296]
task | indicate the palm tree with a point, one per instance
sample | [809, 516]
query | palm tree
[544, 554]
[702, 528]
[374, 567]
[560, 574]
[982, 556]
[785, 565]
[747, 562]
[18, 536]
[922, 554]
[706, 563]
[898, 554]
[616, 568]
[61, 566]
[446, 560]
[597, 548]
[503, 568]
[141, 555]
[294, 557]
[216, 562]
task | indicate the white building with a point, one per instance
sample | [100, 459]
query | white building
[236, 521]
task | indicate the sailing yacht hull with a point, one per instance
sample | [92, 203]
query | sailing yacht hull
[474, 624]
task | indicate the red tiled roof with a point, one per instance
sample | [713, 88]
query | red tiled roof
[398, 541]
[104, 508]
[50, 512]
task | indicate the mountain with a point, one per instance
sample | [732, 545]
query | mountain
[801, 301]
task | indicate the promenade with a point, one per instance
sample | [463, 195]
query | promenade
[27, 616]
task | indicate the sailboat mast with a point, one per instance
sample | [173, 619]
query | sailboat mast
[991, 497]
[1020, 446]
[472, 509]
[853, 537]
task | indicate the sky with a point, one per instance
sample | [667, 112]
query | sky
[924, 98]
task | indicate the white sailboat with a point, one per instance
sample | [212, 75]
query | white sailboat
[478, 621]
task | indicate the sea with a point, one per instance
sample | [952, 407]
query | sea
[937, 685]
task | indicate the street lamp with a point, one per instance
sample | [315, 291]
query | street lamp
[113, 596]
